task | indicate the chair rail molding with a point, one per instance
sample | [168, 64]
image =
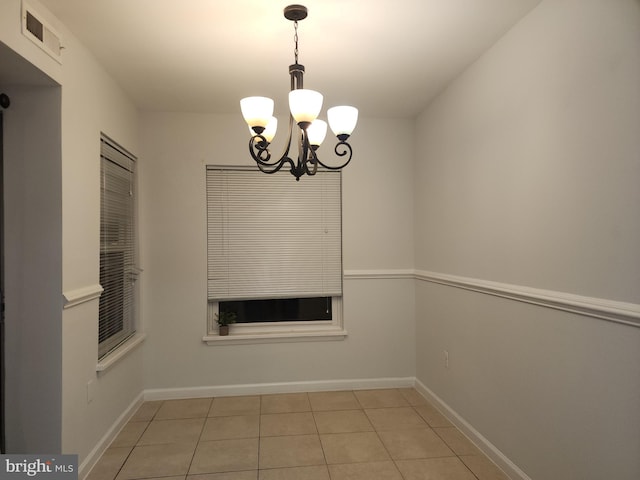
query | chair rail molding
[73, 298]
[609, 310]
[380, 274]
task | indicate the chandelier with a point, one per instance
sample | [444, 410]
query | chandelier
[304, 126]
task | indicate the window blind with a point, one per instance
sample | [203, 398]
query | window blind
[271, 237]
[117, 247]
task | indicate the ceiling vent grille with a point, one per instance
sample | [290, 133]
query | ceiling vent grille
[40, 33]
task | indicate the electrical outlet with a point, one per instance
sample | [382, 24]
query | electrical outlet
[446, 358]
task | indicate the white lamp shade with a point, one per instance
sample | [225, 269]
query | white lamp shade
[316, 132]
[270, 130]
[257, 111]
[342, 119]
[305, 105]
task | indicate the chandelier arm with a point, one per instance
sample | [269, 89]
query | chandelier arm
[262, 157]
[267, 167]
[277, 166]
[341, 153]
[287, 145]
[311, 159]
[259, 150]
[312, 162]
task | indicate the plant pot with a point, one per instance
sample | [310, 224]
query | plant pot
[223, 330]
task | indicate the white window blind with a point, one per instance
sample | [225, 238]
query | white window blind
[272, 237]
[117, 246]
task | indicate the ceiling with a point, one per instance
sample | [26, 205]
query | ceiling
[386, 57]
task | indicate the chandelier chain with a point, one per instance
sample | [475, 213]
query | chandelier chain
[295, 39]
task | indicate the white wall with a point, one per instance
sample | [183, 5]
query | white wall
[33, 242]
[377, 215]
[526, 173]
[529, 176]
[90, 103]
[33, 269]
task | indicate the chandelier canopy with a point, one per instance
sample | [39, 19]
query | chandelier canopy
[309, 131]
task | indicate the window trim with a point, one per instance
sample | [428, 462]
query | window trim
[278, 332]
[118, 353]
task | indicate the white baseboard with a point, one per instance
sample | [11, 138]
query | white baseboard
[490, 450]
[85, 467]
[284, 387]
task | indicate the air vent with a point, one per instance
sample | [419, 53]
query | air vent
[40, 33]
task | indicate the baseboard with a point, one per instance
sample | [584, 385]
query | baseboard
[95, 454]
[283, 387]
[490, 450]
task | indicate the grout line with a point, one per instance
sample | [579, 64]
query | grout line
[204, 423]
[324, 455]
[134, 446]
[259, 434]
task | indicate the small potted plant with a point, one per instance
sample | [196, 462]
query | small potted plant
[224, 319]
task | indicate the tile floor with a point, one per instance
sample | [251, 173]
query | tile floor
[390, 434]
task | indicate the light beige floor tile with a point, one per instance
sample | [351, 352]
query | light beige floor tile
[109, 464]
[323, 401]
[460, 444]
[342, 421]
[276, 424]
[146, 411]
[246, 475]
[223, 428]
[365, 471]
[396, 418]
[415, 443]
[432, 416]
[228, 406]
[225, 456]
[285, 403]
[318, 472]
[381, 398]
[450, 468]
[130, 434]
[150, 461]
[290, 451]
[186, 408]
[353, 448]
[185, 430]
[483, 468]
[412, 396]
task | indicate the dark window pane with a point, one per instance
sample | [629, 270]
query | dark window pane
[279, 310]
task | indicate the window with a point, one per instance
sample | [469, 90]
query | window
[274, 250]
[279, 309]
[117, 246]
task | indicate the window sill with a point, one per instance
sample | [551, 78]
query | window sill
[119, 353]
[276, 337]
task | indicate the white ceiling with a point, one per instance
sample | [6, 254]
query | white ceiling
[387, 57]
